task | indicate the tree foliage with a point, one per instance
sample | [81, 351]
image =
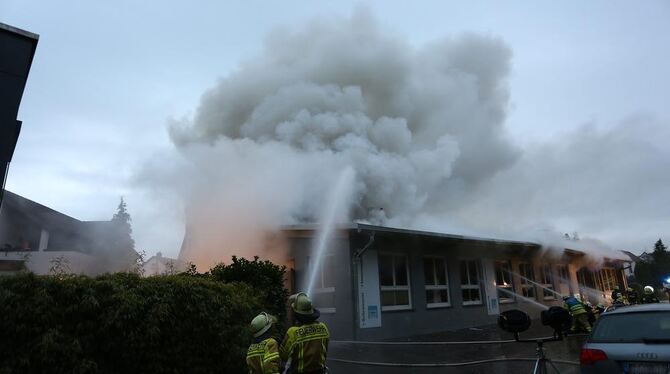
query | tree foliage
[653, 271]
[122, 223]
[122, 323]
[264, 276]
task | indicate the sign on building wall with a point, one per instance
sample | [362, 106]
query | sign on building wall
[369, 305]
[490, 288]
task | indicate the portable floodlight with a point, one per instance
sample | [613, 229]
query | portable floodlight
[556, 317]
[514, 321]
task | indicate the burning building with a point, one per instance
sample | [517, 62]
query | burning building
[376, 282]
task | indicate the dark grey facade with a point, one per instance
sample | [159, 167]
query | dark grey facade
[17, 48]
[472, 265]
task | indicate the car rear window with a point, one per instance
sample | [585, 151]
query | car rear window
[632, 327]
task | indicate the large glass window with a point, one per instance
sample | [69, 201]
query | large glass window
[563, 275]
[606, 279]
[323, 294]
[437, 282]
[547, 281]
[394, 282]
[527, 277]
[504, 281]
[470, 290]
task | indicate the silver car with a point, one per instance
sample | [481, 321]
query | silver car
[633, 339]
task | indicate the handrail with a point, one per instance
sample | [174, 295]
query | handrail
[448, 364]
[429, 343]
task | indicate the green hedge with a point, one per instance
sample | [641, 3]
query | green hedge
[264, 276]
[122, 323]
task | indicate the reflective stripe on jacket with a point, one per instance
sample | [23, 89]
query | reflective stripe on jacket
[617, 296]
[574, 306]
[307, 346]
[263, 357]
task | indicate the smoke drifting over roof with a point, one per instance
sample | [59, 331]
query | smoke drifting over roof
[416, 124]
[423, 128]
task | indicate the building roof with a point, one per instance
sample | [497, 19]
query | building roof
[632, 256]
[569, 248]
[66, 233]
[16, 30]
[367, 227]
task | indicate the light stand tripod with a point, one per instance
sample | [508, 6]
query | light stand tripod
[542, 360]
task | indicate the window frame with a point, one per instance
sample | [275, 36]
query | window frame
[320, 288]
[509, 299]
[527, 285]
[395, 287]
[437, 287]
[607, 279]
[469, 286]
[546, 274]
[563, 274]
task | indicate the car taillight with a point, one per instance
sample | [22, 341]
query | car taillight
[590, 356]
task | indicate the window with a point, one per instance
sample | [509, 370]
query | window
[323, 294]
[563, 275]
[470, 289]
[527, 277]
[606, 279]
[437, 283]
[394, 282]
[504, 281]
[44, 240]
[547, 281]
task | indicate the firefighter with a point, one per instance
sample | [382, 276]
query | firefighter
[578, 312]
[649, 296]
[599, 310]
[617, 296]
[305, 345]
[590, 313]
[632, 296]
[263, 353]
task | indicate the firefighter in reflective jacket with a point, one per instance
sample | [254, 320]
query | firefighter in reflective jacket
[578, 312]
[632, 296]
[649, 296]
[305, 345]
[263, 354]
[617, 296]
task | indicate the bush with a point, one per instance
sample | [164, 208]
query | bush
[122, 323]
[264, 276]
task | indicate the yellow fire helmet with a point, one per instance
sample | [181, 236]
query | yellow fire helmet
[302, 304]
[261, 324]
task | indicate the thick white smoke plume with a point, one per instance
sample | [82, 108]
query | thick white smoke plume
[423, 128]
[419, 126]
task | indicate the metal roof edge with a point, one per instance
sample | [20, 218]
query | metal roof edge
[19, 31]
[369, 227]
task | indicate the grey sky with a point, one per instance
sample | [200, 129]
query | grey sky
[107, 76]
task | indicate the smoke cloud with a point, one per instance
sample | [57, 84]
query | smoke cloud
[423, 129]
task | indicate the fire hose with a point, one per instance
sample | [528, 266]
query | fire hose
[428, 343]
[443, 364]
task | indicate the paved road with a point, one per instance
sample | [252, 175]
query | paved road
[567, 350]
